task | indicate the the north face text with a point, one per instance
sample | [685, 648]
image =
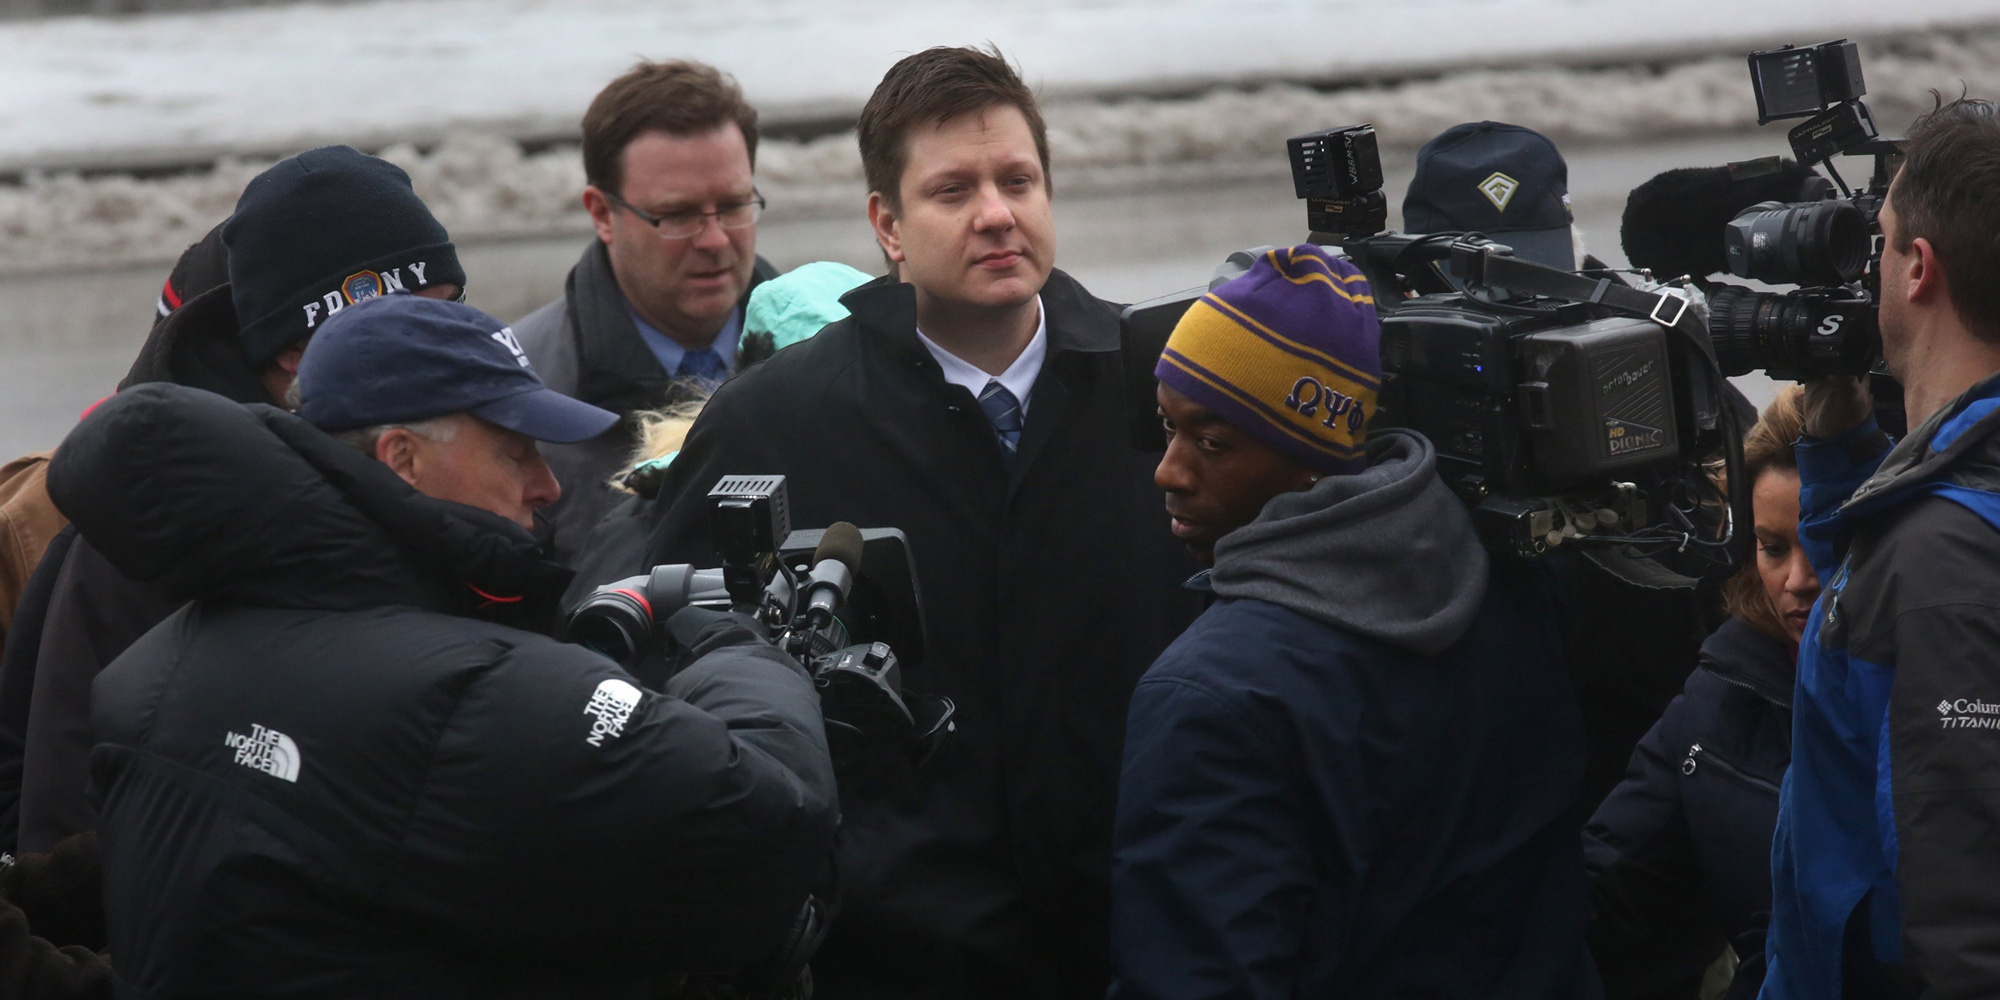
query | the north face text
[609, 707]
[266, 750]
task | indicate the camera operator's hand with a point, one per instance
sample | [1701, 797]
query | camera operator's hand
[1833, 406]
[696, 631]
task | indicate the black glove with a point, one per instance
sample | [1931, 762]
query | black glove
[700, 630]
[62, 892]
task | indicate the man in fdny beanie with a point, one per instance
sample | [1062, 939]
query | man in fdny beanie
[318, 233]
[311, 236]
[1356, 772]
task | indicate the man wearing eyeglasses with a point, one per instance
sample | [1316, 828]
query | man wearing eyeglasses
[653, 312]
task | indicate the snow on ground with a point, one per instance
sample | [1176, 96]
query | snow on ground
[90, 91]
[483, 185]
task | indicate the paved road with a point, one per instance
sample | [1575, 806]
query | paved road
[65, 339]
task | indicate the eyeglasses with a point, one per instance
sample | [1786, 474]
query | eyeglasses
[688, 224]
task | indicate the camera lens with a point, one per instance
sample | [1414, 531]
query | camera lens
[1733, 330]
[614, 620]
[1803, 334]
[1810, 243]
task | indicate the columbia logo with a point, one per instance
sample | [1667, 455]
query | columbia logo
[266, 750]
[1968, 713]
[1499, 189]
[1969, 705]
[609, 708]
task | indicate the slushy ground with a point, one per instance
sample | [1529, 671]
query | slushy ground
[290, 76]
[67, 337]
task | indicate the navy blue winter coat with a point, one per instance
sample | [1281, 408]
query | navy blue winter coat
[1357, 774]
[1680, 853]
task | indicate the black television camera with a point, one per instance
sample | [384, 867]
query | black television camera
[1567, 411]
[1809, 236]
[844, 602]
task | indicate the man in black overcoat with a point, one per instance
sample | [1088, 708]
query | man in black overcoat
[977, 406]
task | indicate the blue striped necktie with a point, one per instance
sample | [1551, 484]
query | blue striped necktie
[704, 365]
[1004, 412]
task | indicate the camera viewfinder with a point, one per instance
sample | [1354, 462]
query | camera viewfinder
[1794, 82]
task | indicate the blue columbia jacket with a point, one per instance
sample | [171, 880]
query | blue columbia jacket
[1357, 774]
[1886, 863]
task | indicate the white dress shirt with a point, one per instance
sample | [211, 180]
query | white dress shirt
[1019, 378]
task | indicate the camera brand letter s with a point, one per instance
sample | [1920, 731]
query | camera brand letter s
[1830, 325]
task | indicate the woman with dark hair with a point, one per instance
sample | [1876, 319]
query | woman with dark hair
[1680, 853]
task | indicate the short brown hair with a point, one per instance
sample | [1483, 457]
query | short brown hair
[934, 86]
[679, 97]
[1948, 192]
[1767, 448]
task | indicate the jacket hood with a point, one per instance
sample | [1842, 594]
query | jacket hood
[208, 498]
[1748, 658]
[1961, 435]
[196, 345]
[1388, 553]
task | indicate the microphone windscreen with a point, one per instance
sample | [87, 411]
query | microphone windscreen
[1673, 223]
[842, 541]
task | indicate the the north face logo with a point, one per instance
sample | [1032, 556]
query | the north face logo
[1499, 189]
[266, 750]
[609, 708]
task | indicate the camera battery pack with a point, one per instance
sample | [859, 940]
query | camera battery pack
[1598, 399]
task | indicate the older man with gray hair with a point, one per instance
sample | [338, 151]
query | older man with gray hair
[351, 766]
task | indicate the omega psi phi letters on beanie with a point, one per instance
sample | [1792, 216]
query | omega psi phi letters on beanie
[321, 231]
[1289, 353]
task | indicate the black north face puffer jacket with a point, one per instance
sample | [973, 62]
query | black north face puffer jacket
[327, 776]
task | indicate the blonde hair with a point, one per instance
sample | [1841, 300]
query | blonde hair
[1767, 448]
[661, 433]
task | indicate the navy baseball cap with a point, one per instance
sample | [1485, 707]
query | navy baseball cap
[402, 358]
[1502, 180]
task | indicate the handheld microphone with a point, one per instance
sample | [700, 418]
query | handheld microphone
[1673, 224]
[835, 562]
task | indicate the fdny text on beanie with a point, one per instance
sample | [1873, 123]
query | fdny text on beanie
[321, 231]
[1289, 352]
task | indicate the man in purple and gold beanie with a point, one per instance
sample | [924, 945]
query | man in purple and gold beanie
[1356, 773]
[1289, 352]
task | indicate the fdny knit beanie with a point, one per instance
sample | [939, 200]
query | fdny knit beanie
[321, 231]
[1289, 353]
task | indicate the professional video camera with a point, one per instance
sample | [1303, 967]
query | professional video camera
[844, 602]
[1781, 223]
[1568, 411]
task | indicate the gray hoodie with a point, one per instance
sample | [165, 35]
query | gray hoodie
[1389, 553]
